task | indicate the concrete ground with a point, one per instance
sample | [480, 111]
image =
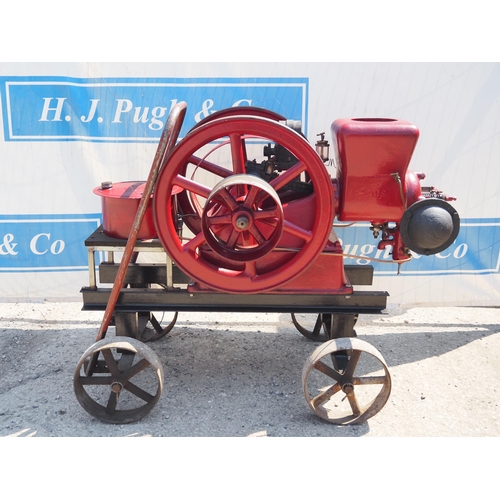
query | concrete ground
[240, 375]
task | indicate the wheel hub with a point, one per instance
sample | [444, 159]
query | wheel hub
[242, 222]
[116, 387]
[348, 388]
[236, 222]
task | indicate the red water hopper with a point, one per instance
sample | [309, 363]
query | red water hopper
[372, 157]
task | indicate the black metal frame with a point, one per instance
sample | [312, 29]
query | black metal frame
[139, 294]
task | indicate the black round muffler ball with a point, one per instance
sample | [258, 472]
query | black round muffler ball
[429, 226]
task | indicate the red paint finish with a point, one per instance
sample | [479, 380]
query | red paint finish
[326, 275]
[371, 154]
[305, 231]
[119, 206]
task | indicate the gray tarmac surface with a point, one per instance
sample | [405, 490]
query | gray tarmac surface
[240, 375]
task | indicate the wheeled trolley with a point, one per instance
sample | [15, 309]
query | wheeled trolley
[242, 212]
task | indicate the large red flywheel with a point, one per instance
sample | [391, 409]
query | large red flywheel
[247, 234]
[188, 207]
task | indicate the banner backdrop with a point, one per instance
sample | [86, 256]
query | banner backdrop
[67, 127]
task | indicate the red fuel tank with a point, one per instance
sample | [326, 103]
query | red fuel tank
[120, 201]
[372, 157]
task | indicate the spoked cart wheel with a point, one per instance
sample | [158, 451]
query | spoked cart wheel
[324, 326]
[157, 332]
[124, 382]
[348, 396]
[143, 325]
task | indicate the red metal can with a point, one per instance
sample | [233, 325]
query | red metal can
[120, 202]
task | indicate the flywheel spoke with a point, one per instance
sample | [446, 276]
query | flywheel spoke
[193, 244]
[252, 195]
[233, 239]
[247, 239]
[238, 153]
[259, 237]
[215, 220]
[251, 269]
[228, 199]
[262, 215]
[210, 167]
[295, 230]
[288, 176]
[192, 186]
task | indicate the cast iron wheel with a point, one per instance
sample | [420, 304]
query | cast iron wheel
[351, 395]
[115, 389]
[321, 327]
[307, 222]
[158, 331]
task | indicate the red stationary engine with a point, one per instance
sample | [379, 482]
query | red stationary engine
[256, 204]
[243, 204]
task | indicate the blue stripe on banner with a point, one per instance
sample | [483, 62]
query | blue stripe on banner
[56, 243]
[133, 110]
[475, 251]
[45, 242]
